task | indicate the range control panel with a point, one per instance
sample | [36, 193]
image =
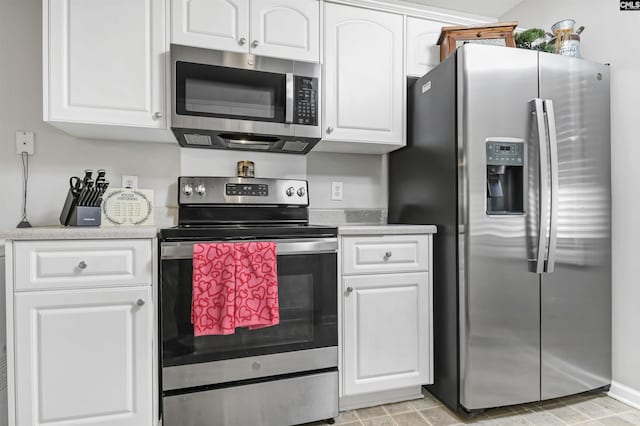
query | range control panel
[505, 153]
[305, 99]
[247, 189]
[236, 190]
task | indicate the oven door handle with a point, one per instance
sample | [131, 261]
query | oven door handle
[184, 249]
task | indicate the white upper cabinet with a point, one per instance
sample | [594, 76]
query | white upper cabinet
[288, 29]
[423, 53]
[104, 63]
[211, 24]
[364, 81]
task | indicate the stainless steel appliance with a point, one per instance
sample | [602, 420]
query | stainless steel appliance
[280, 375]
[508, 153]
[226, 100]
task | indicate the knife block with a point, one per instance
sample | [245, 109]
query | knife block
[74, 215]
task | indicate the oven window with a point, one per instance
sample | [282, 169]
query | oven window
[307, 295]
[215, 91]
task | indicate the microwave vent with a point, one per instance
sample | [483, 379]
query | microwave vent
[196, 139]
[294, 146]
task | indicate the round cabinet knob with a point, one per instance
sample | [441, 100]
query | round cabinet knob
[187, 189]
[157, 115]
[242, 41]
[82, 265]
[255, 43]
[290, 191]
[301, 192]
[256, 365]
[329, 129]
[349, 290]
[387, 255]
[140, 302]
[201, 190]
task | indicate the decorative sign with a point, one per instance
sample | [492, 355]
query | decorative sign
[629, 5]
[123, 206]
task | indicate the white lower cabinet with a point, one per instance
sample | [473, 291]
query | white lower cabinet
[386, 318]
[83, 354]
[386, 337]
[84, 357]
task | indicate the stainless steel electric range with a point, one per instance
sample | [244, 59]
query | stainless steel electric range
[280, 375]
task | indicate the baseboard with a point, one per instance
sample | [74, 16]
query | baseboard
[625, 394]
[351, 402]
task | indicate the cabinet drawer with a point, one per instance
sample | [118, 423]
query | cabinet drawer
[41, 265]
[392, 253]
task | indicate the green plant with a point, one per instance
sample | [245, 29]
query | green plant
[533, 38]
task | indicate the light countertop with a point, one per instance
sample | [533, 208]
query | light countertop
[77, 233]
[386, 229]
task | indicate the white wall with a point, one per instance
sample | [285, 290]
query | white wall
[364, 179]
[58, 155]
[611, 36]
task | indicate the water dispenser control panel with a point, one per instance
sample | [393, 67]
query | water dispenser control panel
[505, 153]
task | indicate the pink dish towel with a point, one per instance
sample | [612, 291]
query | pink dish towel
[234, 285]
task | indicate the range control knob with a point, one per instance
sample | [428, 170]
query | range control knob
[290, 191]
[201, 190]
[301, 191]
[187, 190]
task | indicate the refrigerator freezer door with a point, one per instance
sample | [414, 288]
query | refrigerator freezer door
[576, 296]
[499, 296]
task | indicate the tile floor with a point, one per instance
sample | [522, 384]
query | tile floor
[583, 409]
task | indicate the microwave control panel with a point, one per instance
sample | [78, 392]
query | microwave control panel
[305, 101]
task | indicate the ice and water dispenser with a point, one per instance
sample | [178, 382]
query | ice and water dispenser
[505, 166]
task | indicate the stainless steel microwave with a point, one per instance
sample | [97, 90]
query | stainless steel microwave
[224, 100]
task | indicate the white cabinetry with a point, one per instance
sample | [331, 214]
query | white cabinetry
[386, 317]
[364, 81]
[288, 29]
[423, 53]
[82, 341]
[104, 67]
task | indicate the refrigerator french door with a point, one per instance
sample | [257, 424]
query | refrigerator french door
[508, 154]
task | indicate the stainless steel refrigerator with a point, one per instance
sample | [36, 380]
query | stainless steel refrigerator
[508, 154]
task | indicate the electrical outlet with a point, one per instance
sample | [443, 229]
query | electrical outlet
[25, 142]
[336, 191]
[130, 182]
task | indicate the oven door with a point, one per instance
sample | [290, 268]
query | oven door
[306, 338]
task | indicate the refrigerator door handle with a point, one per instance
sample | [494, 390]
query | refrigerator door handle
[543, 207]
[553, 160]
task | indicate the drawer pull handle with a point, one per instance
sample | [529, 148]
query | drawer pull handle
[349, 290]
[387, 255]
[140, 302]
[82, 265]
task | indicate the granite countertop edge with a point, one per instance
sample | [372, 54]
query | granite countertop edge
[78, 233]
[382, 229]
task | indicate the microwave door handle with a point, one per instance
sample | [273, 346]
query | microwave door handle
[288, 108]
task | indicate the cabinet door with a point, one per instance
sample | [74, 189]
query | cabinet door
[84, 357]
[211, 24]
[104, 62]
[386, 332]
[423, 52]
[287, 29]
[364, 79]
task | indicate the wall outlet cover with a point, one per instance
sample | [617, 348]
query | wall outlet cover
[336, 191]
[25, 142]
[130, 182]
